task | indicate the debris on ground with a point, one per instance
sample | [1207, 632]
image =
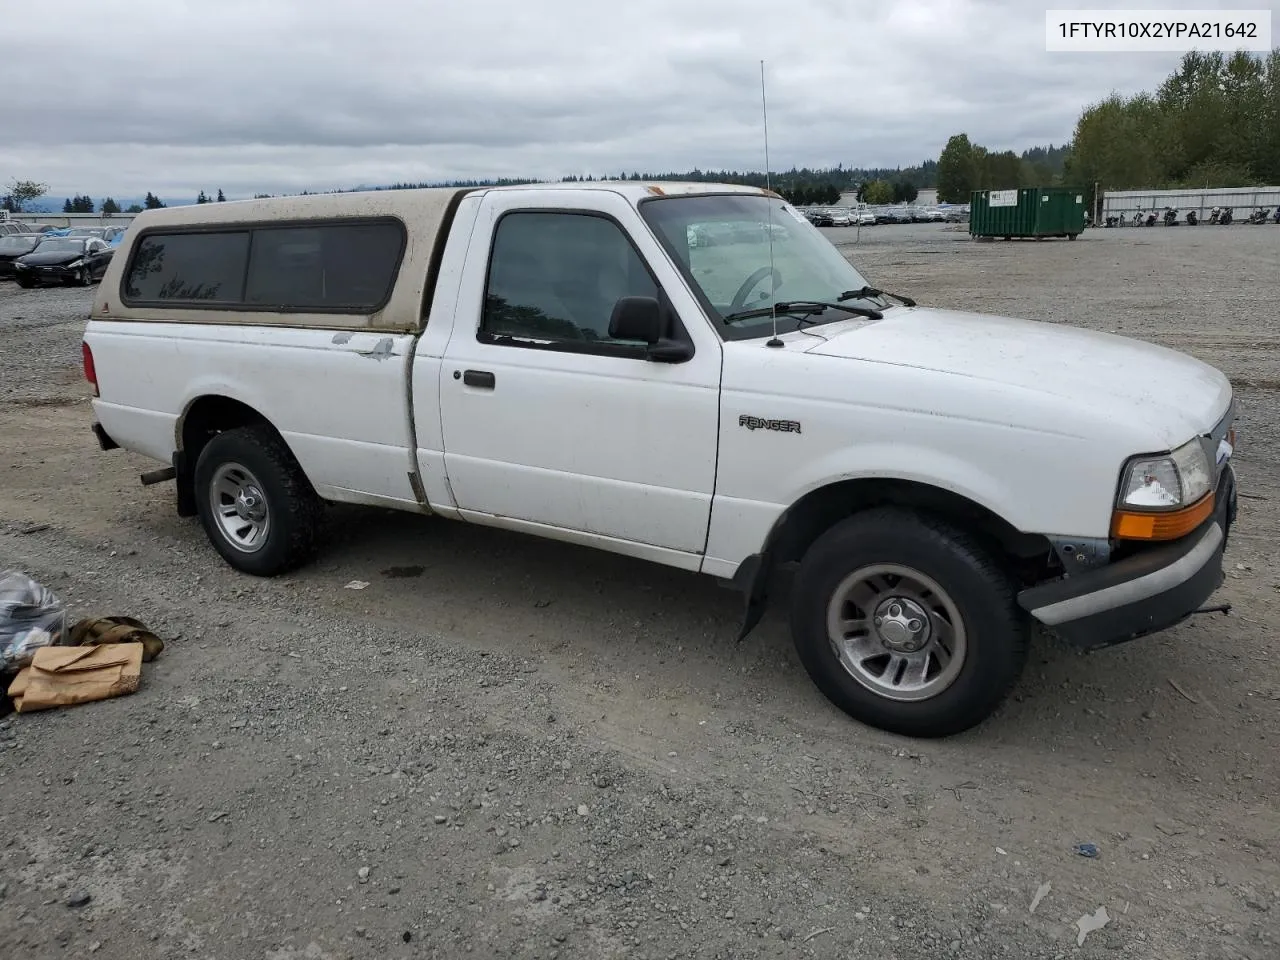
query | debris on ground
[1089, 923]
[357, 585]
[1173, 683]
[1087, 849]
[31, 617]
[1042, 891]
[66, 676]
[97, 659]
[97, 631]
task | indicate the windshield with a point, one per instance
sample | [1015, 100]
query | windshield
[722, 244]
[61, 245]
[16, 243]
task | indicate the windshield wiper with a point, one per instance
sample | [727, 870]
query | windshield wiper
[802, 307]
[873, 292]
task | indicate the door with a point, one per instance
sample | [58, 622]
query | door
[549, 419]
[98, 258]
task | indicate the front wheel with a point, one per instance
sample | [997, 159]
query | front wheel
[907, 624]
[255, 503]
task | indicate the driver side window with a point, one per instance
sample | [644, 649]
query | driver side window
[555, 277]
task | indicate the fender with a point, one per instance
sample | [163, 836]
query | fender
[819, 509]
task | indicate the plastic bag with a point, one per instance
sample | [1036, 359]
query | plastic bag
[31, 616]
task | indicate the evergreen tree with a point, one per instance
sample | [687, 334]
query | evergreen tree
[956, 170]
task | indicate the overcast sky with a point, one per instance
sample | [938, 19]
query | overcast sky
[124, 96]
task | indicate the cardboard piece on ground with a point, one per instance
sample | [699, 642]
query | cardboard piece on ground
[64, 676]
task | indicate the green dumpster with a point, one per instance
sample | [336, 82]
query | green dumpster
[1028, 212]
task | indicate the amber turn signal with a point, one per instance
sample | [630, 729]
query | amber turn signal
[1131, 525]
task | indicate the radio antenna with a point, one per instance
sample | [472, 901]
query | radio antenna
[768, 182]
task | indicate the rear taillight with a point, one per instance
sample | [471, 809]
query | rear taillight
[90, 372]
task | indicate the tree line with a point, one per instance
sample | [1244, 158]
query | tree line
[1213, 122]
[23, 193]
[964, 167]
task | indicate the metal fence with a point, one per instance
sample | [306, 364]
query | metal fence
[1242, 200]
[76, 219]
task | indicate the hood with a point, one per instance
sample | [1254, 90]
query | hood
[1175, 394]
[52, 259]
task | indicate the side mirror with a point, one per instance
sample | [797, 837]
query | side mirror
[636, 318]
[641, 318]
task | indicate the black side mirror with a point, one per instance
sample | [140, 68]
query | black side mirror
[642, 318]
[636, 318]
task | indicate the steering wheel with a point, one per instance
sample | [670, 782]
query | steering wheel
[740, 297]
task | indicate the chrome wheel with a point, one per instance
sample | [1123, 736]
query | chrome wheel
[239, 507]
[896, 632]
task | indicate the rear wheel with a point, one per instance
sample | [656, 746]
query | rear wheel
[907, 624]
[25, 283]
[256, 505]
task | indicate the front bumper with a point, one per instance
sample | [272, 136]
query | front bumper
[50, 274]
[1142, 594]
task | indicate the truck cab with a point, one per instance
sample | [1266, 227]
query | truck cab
[580, 362]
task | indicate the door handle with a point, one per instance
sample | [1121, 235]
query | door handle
[479, 378]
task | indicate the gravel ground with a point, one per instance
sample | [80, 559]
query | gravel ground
[506, 747]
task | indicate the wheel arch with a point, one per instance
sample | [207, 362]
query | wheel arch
[203, 418]
[811, 515]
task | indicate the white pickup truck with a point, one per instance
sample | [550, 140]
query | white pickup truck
[686, 373]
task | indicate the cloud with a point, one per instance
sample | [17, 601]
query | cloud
[174, 96]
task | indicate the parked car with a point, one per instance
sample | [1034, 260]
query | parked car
[819, 216]
[13, 246]
[941, 480]
[64, 260]
[840, 217]
[9, 228]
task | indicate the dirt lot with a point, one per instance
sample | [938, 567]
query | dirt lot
[523, 749]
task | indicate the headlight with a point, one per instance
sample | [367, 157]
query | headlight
[1163, 498]
[76, 265]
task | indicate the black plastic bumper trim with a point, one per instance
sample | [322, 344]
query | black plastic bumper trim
[1143, 594]
[104, 439]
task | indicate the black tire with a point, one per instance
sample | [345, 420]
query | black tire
[293, 510]
[25, 284]
[995, 631]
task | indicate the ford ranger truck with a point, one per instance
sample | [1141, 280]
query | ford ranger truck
[690, 374]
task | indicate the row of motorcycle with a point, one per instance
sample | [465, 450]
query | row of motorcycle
[1221, 216]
